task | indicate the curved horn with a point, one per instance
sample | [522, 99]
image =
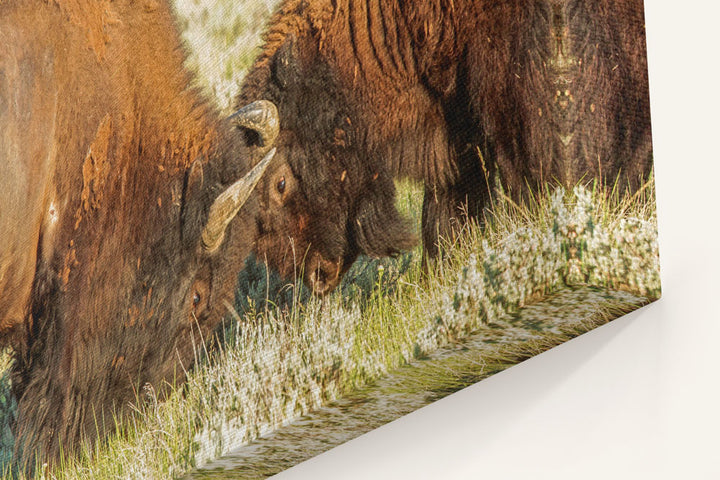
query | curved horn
[262, 117]
[228, 204]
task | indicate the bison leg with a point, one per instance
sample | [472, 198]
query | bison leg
[447, 210]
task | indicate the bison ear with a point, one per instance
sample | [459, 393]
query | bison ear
[286, 63]
[380, 230]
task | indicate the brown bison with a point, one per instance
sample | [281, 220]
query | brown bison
[119, 240]
[454, 93]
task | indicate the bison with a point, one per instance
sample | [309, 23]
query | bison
[453, 93]
[120, 241]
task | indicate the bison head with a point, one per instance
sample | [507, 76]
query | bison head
[325, 200]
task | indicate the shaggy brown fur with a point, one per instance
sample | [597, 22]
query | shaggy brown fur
[103, 285]
[453, 92]
[323, 202]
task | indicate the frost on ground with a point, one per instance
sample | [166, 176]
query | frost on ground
[280, 363]
[316, 351]
[572, 245]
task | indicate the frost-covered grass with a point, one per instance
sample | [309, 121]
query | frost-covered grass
[276, 363]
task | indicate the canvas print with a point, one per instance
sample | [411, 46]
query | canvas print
[237, 233]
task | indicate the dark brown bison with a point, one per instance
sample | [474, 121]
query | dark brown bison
[119, 240]
[455, 93]
[325, 202]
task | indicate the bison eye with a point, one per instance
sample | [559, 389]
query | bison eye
[281, 185]
[196, 299]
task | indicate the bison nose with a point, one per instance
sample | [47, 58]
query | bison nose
[324, 275]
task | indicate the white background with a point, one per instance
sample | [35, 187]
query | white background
[638, 398]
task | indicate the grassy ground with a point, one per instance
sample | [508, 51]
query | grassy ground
[278, 362]
[490, 349]
[284, 353]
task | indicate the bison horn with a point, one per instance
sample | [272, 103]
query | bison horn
[261, 117]
[228, 204]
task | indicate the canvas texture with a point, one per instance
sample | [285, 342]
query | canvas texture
[237, 233]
